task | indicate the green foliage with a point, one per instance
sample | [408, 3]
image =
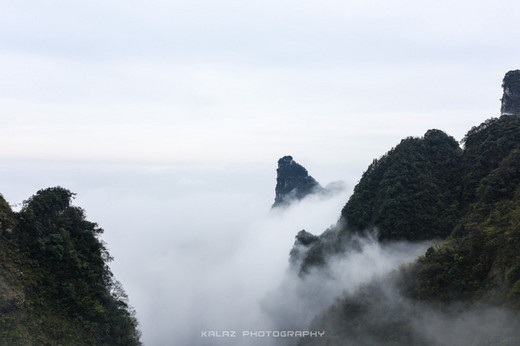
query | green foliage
[485, 146]
[69, 294]
[476, 203]
[481, 259]
[426, 188]
[7, 219]
[409, 193]
[420, 188]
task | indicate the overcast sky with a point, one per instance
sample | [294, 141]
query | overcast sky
[167, 118]
[218, 81]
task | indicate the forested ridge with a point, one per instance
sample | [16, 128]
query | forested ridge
[55, 284]
[468, 199]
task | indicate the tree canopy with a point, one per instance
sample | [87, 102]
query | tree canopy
[69, 293]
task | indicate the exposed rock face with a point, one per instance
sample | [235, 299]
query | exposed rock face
[302, 243]
[511, 98]
[293, 182]
[305, 238]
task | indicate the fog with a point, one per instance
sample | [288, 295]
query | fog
[377, 313]
[167, 119]
[300, 298]
[198, 249]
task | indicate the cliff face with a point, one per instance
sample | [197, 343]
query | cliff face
[511, 97]
[293, 182]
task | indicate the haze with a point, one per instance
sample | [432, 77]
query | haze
[167, 119]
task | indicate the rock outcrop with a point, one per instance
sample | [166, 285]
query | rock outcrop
[302, 243]
[293, 182]
[511, 97]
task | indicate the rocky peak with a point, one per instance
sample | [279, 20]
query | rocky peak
[302, 243]
[511, 97]
[305, 238]
[293, 182]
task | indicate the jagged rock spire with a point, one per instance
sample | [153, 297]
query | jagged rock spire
[511, 97]
[293, 182]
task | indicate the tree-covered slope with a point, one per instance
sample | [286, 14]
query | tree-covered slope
[481, 258]
[466, 290]
[55, 284]
[409, 193]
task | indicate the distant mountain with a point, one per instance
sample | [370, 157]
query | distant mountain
[465, 290]
[55, 284]
[511, 97]
[293, 182]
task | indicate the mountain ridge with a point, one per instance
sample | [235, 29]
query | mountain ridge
[430, 188]
[55, 284]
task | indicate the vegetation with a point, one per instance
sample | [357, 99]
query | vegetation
[481, 259]
[428, 188]
[55, 284]
[411, 192]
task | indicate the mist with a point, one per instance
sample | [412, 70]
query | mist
[198, 249]
[378, 313]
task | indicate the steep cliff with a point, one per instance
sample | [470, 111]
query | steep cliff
[293, 182]
[511, 97]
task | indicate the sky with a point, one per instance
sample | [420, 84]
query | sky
[167, 119]
[220, 81]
